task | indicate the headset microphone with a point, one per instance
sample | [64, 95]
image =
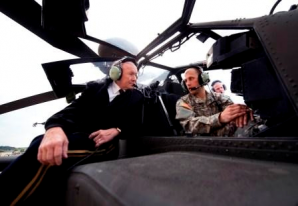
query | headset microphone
[194, 88]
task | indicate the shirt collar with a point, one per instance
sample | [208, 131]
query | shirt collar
[115, 87]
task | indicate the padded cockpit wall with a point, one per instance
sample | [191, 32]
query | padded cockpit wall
[278, 34]
[180, 179]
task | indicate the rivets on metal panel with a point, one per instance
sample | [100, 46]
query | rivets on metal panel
[211, 142]
[271, 48]
[77, 188]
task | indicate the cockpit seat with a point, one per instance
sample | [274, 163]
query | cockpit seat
[172, 87]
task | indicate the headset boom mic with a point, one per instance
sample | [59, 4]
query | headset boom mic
[194, 88]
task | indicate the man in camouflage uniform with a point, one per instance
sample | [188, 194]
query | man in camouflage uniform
[206, 114]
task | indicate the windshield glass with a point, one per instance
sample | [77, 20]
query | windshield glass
[21, 75]
[138, 22]
[151, 74]
[22, 54]
[214, 10]
[83, 73]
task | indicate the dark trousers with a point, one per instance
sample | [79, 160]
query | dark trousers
[27, 182]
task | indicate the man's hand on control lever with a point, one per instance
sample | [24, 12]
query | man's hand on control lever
[236, 112]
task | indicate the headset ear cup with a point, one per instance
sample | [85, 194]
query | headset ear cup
[115, 73]
[184, 86]
[200, 79]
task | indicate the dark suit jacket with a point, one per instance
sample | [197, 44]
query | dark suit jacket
[93, 111]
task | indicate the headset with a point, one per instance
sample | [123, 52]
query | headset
[218, 81]
[115, 72]
[203, 79]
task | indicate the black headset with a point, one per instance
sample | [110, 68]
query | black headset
[218, 81]
[115, 72]
[203, 78]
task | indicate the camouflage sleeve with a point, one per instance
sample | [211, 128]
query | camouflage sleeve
[193, 124]
[230, 128]
[225, 101]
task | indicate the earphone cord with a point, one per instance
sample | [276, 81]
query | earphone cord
[216, 102]
[81, 160]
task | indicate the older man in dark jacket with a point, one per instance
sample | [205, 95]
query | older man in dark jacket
[88, 127]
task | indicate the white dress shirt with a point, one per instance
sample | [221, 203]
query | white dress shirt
[113, 91]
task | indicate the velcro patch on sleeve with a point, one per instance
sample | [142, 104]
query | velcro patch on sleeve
[184, 105]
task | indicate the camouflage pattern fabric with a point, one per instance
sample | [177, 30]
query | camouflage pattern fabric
[201, 117]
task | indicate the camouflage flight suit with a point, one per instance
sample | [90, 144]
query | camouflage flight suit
[200, 117]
